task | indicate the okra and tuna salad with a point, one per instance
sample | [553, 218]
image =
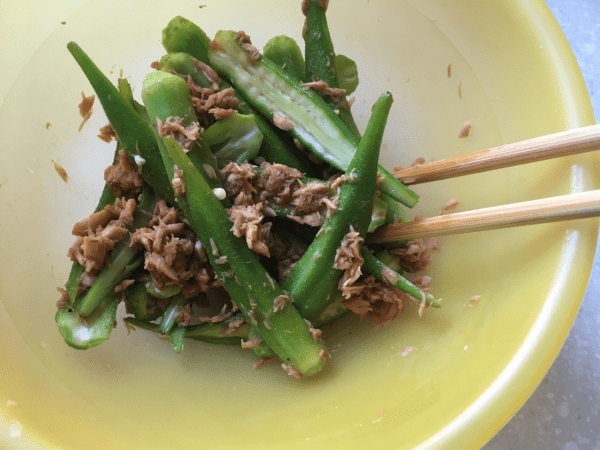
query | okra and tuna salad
[239, 201]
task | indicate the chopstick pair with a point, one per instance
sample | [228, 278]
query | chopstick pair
[564, 207]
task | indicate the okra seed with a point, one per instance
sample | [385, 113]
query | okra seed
[220, 193]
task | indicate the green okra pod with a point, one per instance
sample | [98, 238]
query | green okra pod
[347, 73]
[314, 280]
[182, 35]
[139, 301]
[167, 291]
[234, 139]
[131, 129]
[123, 260]
[394, 212]
[86, 332]
[379, 214]
[320, 64]
[169, 318]
[390, 260]
[222, 333]
[212, 333]
[291, 107]
[177, 336]
[253, 290]
[285, 52]
[276, 146]
[167, 98]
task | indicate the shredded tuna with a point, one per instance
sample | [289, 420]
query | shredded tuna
[407, 350]
[242, 37]
[60, 170]
[308, 198]
[253, 51]
[252, 343]
[262, 362]
[345, 178]
[209, 103]
[233, 326]
[315, 333]
[474, 300]
[123, 178]
[185, 136]
[291, 371]
[282, 123]
[450, 205]
[431, 243]
[236, 180]
[209, 73]
[415, 256]
[323, 88]
[276, 182]
[86, 281]
[227, 312]
[423, 304]
[170, 254]
[177, 181]
[184, 316]
[98, 234]
[422, 281]
[221, 113]
[122, 286]
[349, 259]
[280, 302]
[332, 205]
[247, 221]
[107, 134]
[464, 130]
[64, 298]
[286, 252]
[85, 108]
[371, 298]
[417, 162]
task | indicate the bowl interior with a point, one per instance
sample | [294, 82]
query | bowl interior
[512, 75]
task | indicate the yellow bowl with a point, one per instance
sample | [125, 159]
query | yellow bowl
[512, 74]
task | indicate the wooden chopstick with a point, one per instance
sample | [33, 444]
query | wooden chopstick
[564, 207]
[565, 143]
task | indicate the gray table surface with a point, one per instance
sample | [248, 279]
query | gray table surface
[563, 412]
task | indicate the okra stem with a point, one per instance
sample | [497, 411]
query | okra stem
[380, 271]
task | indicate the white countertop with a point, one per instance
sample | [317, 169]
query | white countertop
[563, 412]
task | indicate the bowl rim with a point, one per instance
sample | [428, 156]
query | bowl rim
[578, 112]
